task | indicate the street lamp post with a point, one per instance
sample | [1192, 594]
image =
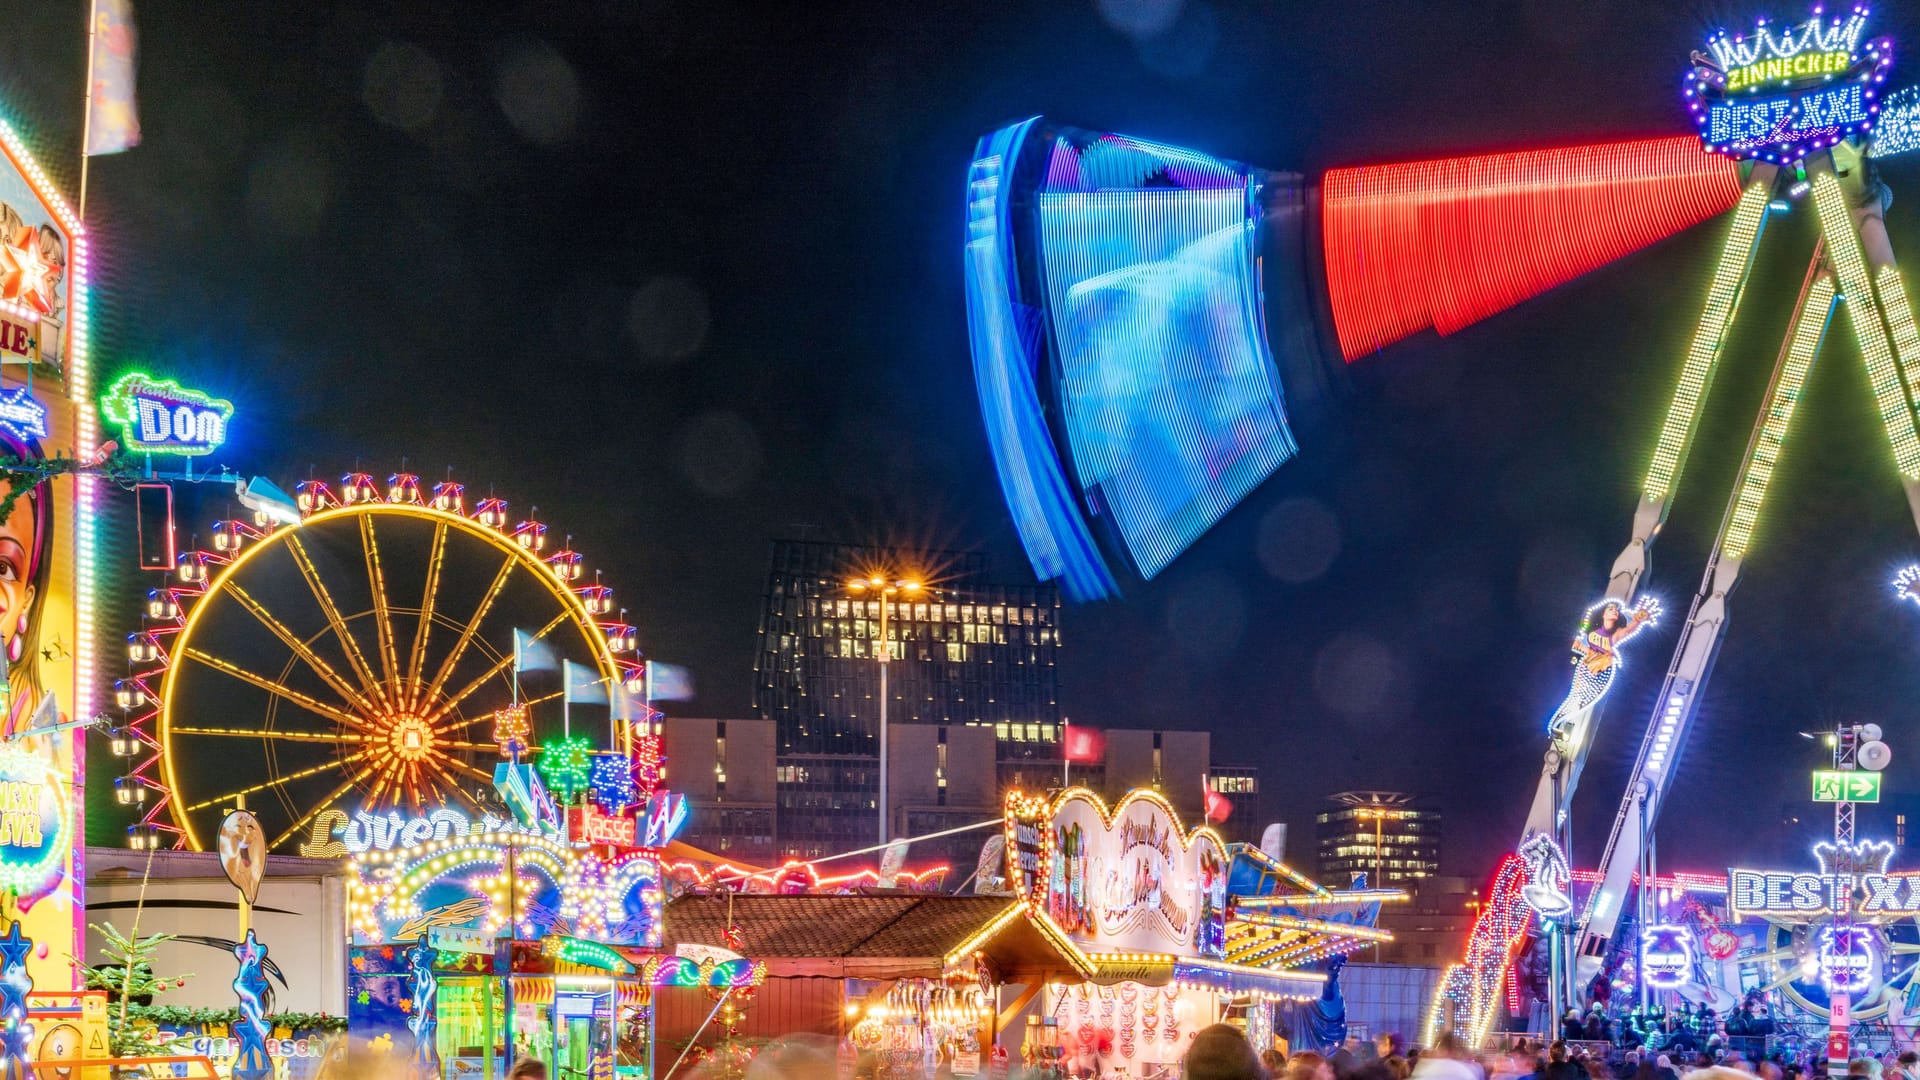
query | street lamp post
[1379, 816]
[886, 591]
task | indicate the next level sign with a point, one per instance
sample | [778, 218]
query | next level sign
[1841, 785]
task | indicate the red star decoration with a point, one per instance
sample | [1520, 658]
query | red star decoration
[24, 276]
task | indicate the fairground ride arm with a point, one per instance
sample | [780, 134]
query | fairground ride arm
[1567, 752]
[1701, 634]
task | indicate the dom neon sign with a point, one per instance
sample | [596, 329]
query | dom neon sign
[159, 416]
[1779, 95]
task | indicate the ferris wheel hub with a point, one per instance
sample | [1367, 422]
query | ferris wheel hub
[409, 736]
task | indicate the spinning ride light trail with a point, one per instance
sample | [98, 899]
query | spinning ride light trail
[1118, 324]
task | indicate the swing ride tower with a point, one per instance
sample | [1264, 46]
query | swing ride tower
[1797, 107]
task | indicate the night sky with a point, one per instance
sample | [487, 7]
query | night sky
[686, 276]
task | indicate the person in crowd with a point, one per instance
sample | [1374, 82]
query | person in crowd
[1345, 1058]
[1572, 1027]
[528, 1069]
[1221, 1052]
[1644, 1069]
[1386, 1045]
[1308, 1065]
[1446, 1059]
[1275, 1062]
[1663, 1068]
[1559, 1067]
[1907, 1065]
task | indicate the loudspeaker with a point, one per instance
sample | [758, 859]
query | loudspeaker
[153, 518]
[1875, 755]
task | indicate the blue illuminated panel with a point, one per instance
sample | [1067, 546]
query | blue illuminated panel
[1119, 344]
[1006, 356]
[1171, 405]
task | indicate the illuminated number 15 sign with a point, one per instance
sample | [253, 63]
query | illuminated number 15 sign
[1837, 785]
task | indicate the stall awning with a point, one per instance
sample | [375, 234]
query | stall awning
[1160, 969]
[881, 935]
[533, 989]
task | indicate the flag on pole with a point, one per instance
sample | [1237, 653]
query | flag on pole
[668, 682]
[1217, 806]
[532, 654]
[629, 706]
[113, 122]
[1083, 745]
[582, 685]
[892, 861]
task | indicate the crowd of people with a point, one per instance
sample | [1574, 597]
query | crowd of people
[1221, 1052]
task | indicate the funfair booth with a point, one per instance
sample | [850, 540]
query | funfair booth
[1167, 929]
[49, 443]
[482, 942]
[1777, 959]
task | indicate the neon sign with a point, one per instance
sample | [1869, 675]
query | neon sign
[159, 416]
[21, 415]
[1846, 873]
[34, 825]
[1547, 876]
[336, 834]
[1781, 95]
[587, 824]
[1846, 958]
[1666, 956]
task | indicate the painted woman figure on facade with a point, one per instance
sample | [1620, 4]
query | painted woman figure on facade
[25, 539]
[1596, 656]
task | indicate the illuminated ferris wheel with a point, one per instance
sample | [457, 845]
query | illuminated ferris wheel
[354, 662]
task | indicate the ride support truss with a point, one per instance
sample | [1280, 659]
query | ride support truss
[1852, 267]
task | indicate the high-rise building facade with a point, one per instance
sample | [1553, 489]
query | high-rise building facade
[726, 770]
[1390, 836]
[965, 653]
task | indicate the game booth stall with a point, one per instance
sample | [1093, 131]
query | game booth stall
[1167, 929]
[479, 942]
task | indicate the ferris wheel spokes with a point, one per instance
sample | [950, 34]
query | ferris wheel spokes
[424, 626]
[465, 639]
[382, 617]
[499, 667]
[275, 687]
[301, 649]
[331, 611]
